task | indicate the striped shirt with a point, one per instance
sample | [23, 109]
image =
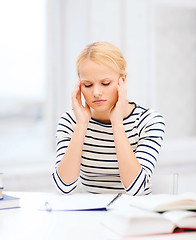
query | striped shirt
[99, 172]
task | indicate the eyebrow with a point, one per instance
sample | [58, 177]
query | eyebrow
[84, 80]
[104, 79]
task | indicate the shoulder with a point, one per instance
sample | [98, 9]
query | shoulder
[66, 124]
[148, 113]
[147, 117]
[67, 119]
[68, 116]
[150, 120]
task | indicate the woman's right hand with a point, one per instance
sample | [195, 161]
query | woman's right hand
[82, 114]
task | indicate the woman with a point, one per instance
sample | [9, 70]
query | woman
[110, 144]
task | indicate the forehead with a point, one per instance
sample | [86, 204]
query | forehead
[94, 71]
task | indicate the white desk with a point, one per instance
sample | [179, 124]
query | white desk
[29, 223]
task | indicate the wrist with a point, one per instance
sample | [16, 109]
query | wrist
[115, 121]
[81, 125]
[117, 125]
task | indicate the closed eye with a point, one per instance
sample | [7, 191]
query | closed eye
[88, 85]
[106, 84]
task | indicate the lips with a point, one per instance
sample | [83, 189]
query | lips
[99, 101]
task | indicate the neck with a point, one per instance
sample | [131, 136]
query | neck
[101, 116]
[105, 116]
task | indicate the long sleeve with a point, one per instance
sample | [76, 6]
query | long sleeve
[99, 170]
[150, 129]
[64, 133]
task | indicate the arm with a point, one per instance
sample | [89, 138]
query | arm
[136, 168]
[151, 131]
[68, 168]
[129, 166]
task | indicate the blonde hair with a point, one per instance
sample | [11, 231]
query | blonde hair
[103, 53]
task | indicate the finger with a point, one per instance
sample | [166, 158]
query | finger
[86, 105]
[121, 89]
[120, 84]
[76, 94]
[75, 90]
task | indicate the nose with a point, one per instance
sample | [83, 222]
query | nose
[97, 92]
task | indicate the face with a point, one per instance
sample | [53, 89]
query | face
[99, 86]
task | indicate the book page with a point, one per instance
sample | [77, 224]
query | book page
[76, 202]
[182, 218]
[163, 202]
[137, 222]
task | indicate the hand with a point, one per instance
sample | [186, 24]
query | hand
[82, 114]
[117, 112]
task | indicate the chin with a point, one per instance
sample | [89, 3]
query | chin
[102, 108]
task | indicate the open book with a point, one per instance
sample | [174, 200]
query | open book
[138, 222]
[165, 202]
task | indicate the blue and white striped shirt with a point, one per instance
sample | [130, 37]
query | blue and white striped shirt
[99, 172]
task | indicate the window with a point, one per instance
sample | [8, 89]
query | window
[175, 29]
[22, 92]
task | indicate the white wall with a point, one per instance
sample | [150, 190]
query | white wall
[158, 39]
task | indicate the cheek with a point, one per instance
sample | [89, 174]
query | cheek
[114, 94]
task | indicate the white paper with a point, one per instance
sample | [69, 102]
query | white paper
[76, 202]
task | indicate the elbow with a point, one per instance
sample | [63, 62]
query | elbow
[61, 186]
[141, 185]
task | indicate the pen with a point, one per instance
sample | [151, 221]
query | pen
[114, 199]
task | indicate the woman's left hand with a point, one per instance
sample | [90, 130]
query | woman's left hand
[117, 112]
